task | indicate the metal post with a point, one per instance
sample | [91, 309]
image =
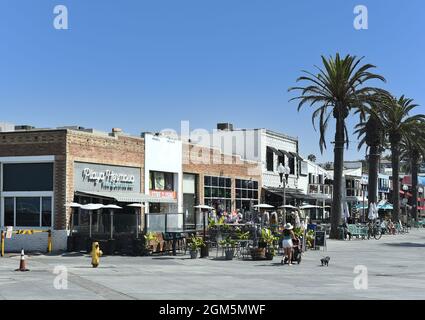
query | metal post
[2, 243]
[49, 241]
[284, 201]
[90, 222]
[111, 212]
[364, 208]
[137, 222]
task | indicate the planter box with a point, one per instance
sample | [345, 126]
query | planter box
[229, 254]
[194, 254]
[204, 252]
[258, 253]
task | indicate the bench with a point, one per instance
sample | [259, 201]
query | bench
[357, 231]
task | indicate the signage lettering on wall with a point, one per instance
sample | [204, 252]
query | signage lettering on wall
[109, 179]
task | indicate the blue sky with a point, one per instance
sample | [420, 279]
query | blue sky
[146, 65]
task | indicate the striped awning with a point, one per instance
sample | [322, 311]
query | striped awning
[126, 197]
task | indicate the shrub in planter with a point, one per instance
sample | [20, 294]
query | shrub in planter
[195, 244]
[229, 248]
[150, 242]
[258, 253]
[269, 239]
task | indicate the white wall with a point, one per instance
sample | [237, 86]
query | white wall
[272, 179]
[37, 242]
[164, 154]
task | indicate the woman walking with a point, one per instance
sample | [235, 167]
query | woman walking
[287, 244]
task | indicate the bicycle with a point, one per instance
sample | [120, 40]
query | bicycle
[374, 231]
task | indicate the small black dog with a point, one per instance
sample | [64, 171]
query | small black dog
[325, 261]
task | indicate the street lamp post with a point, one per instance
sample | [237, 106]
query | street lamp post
[284, 174]
[405, 189]
[420, 195]
[364, 185]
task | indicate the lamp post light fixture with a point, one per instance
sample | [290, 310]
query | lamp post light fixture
[284, 175]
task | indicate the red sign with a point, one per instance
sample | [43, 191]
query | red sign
[163, 194]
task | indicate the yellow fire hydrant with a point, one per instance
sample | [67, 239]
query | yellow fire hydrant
[96, 253]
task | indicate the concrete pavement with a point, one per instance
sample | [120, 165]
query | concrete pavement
[395, 270]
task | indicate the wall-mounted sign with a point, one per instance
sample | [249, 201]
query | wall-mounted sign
[163, 194]
[97, 177]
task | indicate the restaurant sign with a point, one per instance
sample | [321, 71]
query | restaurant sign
[97, 177]
[163, 194]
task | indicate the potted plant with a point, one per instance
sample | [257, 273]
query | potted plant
[229, 248]
[269, 239]
[242, 235]
[195, 244]
[150, 241]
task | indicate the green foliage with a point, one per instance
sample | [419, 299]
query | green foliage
[149, 237]
[242, 235]
[228, 242]
[196, 243]
[268, 237]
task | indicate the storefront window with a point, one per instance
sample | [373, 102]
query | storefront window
[161, 181]
[218, 192]
[27, 177]
[28, 211]
[46, 213]
[246, 193]
[9, 211]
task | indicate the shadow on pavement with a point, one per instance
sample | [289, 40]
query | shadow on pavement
[406, 244]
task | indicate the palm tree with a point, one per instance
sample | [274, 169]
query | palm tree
[394, 115]
[336, 90]
[372, 133]
[413, 150]
[312, 158]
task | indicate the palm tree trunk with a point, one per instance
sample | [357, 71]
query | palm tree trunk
[415, 169]
[395, 161]
[374, 156]
[338, 172]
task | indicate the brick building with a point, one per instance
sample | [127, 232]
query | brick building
[225, 182]
[44, 170]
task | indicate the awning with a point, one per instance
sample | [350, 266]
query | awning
[290, 193]
[275, 151]
[288, 154]
[296, 155]
[126, 197]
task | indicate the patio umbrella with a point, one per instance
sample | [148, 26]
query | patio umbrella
[73, 205]
[111, 208]
[90, 207]
[137, 206]
[263, 206]
[203, 206]
[309, 206]
[288, 206]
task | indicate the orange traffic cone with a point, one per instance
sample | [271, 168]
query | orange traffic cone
[22, 263]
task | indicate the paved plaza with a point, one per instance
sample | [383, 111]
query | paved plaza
[395, 266]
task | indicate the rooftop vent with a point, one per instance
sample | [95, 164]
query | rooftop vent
[24, 127]
[225, 126]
